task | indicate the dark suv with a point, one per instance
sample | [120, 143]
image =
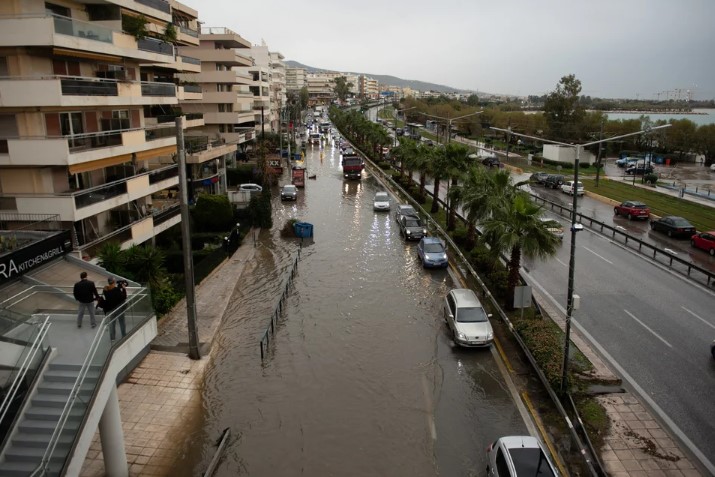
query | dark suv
[554, 181]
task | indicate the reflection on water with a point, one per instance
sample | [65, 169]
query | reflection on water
[361, 378]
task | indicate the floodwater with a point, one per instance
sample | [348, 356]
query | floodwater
[361, 378]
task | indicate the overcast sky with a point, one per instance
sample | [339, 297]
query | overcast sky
[617, 48]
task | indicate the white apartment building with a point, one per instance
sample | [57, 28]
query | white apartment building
[368, 88]
[87, 103]
[295, 79]
[321, 87]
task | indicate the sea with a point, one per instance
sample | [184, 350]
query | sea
[700, 117]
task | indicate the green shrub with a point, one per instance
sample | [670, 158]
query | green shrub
[545, 345]
[651, 179]
[240, 174]
[499, 283]
[212, 213]
[163, 298]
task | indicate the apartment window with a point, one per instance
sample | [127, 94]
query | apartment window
[65, 67]
[3, 67]
[225, 108]
[53, 9]
[223, 88]
[71, 125]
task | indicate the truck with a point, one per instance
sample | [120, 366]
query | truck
[352, 166]
[298, 176]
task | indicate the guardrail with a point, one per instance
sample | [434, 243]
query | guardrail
[663, 257]
[271, 328]
[587, 452]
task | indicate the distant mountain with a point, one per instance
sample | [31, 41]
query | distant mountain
[386, 79]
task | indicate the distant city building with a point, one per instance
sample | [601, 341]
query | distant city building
[295, 79]
[368, 88]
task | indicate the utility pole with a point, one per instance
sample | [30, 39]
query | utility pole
[598, 159]
[194, 352]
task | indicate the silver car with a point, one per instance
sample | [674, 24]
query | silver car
[381, 202]
[515, 456]
[467, 319]
[289, 192]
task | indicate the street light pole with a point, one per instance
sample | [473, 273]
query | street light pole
[449, 121]
[575, 227]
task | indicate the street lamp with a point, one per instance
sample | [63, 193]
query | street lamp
[449, 121]
[575, 227]
[397, 113]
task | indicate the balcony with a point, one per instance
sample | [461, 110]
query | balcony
[235, 117]
[188, 31]
[156, 46]
[88, 87]
[224, 57]
[160, 5]
[158, 89]
[199, 149]
[190, 92]
[225, 37]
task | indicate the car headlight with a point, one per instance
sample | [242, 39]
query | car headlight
[424, 231]
[409, 233]
[444, 256]
[461, 335]
[490, 335]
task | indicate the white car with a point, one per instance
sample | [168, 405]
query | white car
[381, 202]
[250, 187]
[515, 456]
[568, 188]
[712, 167]
[467, 319]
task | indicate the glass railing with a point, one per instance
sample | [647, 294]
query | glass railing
[154, 134]
[192, 88]
[165, 214]
[93, 247]
[88, 87]
[155, 46]
[188, 59]
[160, 5]
[94, 141]
[163, 174]
[99, 194]
[188, 31]
[190, 116]
[158, 89]
[80, 29]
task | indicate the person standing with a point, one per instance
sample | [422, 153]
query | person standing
[85, 292]
[115, 294]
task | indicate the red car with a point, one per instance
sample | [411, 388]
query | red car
[704, 241]
[633, 210]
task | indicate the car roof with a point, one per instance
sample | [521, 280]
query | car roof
[511, 442]
[465, 297]
[380, 194]
[289, 186]
[427, 240]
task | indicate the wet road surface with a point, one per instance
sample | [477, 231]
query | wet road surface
[362, 377]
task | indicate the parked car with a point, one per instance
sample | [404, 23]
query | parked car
[432, 253]
[673, 226]
[568, 187]
[518, 456]
[632, 209]
[467, 319]
[411, 228]
[381, 201]
[491, 161]
[405, 210]
[538, 177]
[289, 192]
[627, 161]
[554, 181]
[639, 169]
[704, 241]
[250, 187]
[553, 226]
[712, 167]
[399, 131]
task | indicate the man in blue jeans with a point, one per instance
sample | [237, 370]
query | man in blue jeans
[85, 292]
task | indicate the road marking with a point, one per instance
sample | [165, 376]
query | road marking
[648, 328]
[562, 263]
[699, 318]
[544, 436]
[599, 256]
[503, 356]
[620, 227]
[671, 251]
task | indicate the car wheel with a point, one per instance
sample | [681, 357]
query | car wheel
[670, 233]
[652, 225]
[615, 211]
[692, 244]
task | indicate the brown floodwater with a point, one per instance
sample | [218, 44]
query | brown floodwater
[361, 378]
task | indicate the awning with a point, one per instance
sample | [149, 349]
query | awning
[86, 54]
[121, 159]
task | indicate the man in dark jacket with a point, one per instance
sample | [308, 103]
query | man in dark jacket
[85, 292]
[115, 294]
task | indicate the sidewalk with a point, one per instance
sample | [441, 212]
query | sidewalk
[637, 445]
[160, 401]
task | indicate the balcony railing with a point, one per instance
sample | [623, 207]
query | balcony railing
[166, 213]
[158, 89]
[192, 88]
[80, 29]
[194, 144]
[163, 174]
[156, 46]
[188, 31]
[190, 116]
[94, 141]
[88, 87]
[160, 5]
[188, 59]
[159, 133]
[99, 194]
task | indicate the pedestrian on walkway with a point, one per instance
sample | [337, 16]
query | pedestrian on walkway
[85, 292]
[115, 294]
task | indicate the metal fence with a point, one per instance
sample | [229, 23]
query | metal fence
[661, 256]
[271, 328]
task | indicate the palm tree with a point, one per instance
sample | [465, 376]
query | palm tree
[422, 164]
[438, 171]
[515, 229]
[457, 164]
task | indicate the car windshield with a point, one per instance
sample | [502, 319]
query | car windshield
[530, 461]
[637, 205]
[433, 248]
[551, 224]
[680, 222]
[407, 211]
[471, 315]
[381, 197]
[412, 223]
[289, 188]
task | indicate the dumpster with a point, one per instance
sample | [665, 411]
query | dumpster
[296, 156]
[303, 229]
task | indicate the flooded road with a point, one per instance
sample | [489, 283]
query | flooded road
[362, 377]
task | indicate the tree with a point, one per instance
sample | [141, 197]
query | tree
[456, 165]
[304, 97]
[342, 88]
[705, 142]
[473, 100]
[438, 169]
[515, 228]
[563, 110]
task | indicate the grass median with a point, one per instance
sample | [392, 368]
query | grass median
[701, 216]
